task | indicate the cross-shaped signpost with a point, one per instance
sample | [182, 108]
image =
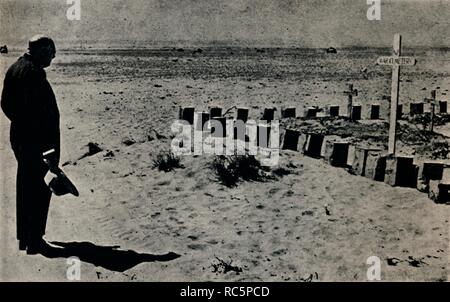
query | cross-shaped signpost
[396, 60]
[350, 93]
[432, 102]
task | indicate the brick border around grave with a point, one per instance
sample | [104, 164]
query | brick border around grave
[426, 177]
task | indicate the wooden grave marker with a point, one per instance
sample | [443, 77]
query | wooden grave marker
[396, 60]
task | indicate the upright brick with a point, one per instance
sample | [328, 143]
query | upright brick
[429, 171]
[416, 108]
[311, 112]
[215, 112]
[289, 112]
[216, 132]
[375, 112]
[314, 145]
[439, 192]
[263, 135]
[356, 113]
[187, 114]
[375, 165]
[442, 106]
[200, 119]
[291, 140]
[269, 114]
[242, 114]
[399, 111]
[400, 171]
[334, 111]
[336, 153]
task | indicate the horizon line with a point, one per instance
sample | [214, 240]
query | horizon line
[213, 43]
[114, 46]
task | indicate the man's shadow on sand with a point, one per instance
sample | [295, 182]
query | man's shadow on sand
[108, 257]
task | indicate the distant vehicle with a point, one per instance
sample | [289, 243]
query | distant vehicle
[3, 49]
[331, 50]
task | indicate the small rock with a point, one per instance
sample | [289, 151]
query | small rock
[128, 141]
[94, 148]
[109, 154]
[66, 163]
[4, 49]
[393, 261]
[154, 134]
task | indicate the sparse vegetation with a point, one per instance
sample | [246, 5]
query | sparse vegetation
[412, 135]
[425, 119]
[225, 267]
[232, 169]
[167, 161]
[436, 149]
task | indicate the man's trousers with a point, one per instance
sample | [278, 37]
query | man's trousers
[32, 196]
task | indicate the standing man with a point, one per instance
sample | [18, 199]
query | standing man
[30, 104]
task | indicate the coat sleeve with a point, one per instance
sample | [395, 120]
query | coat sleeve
[36, 114]
[7, 101]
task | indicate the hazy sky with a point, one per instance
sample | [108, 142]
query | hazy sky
[302, 23]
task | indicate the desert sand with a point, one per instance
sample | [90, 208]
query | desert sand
[319, 223]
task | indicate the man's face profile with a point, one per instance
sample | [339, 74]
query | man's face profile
[43, 50]
[46, 54]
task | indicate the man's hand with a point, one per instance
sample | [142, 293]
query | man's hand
[50, 158]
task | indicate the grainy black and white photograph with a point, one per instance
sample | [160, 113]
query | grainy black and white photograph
[224, 141]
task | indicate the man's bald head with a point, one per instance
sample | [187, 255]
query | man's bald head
[43, 49]
[40, 41]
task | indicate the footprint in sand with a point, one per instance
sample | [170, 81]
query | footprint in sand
[197, 247]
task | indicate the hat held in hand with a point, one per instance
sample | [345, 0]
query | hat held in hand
[60, 184]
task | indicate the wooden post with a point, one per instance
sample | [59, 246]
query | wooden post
[350, 93]
[432, 117]
[396, 60]
[395, 86]
[432, 102]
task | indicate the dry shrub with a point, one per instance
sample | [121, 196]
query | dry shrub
[167, 161]
[232, 169]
